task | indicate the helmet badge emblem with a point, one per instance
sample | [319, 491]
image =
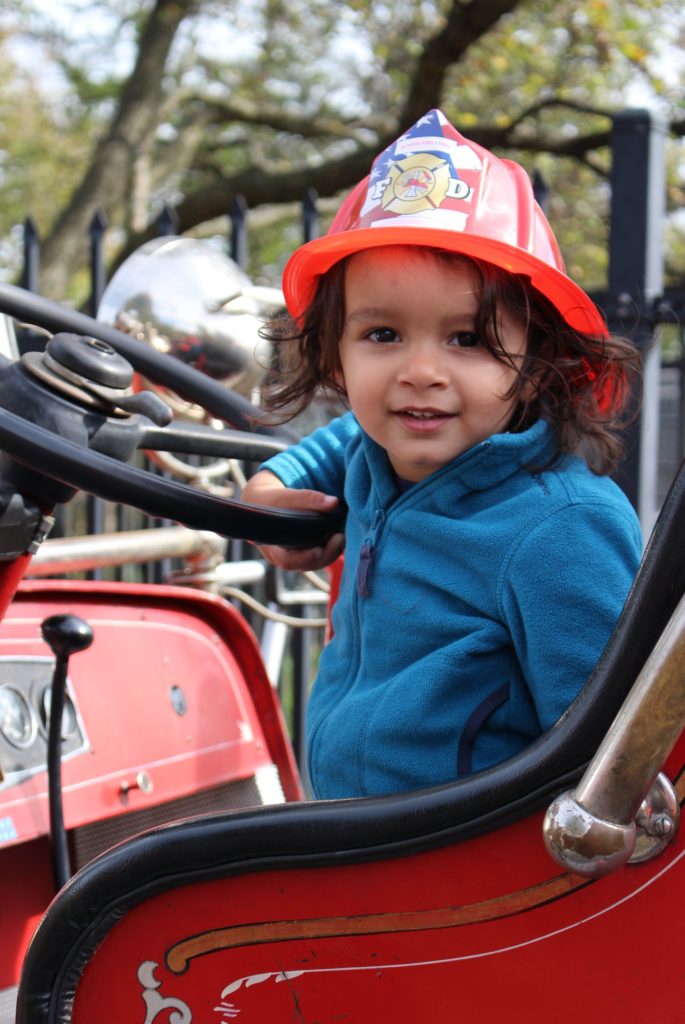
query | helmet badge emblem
[418, 182]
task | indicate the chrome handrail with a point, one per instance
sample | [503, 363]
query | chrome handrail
[594, 829]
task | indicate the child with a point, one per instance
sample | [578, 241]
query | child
[487, 553]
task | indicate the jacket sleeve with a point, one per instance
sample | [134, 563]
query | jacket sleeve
[561, 593]
[317, 462]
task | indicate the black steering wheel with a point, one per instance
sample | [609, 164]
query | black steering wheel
[84, 469]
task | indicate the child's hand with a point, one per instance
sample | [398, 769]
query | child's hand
[266, 489]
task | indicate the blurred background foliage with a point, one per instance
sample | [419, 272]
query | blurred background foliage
[123, 105]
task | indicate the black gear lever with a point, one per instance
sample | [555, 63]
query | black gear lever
[65, 635]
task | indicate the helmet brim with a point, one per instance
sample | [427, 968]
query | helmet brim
[312, 260]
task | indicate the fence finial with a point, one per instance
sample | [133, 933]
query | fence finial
[237, 215]
[167, 221]
[97, 228]
[310, 215]
[541, 191]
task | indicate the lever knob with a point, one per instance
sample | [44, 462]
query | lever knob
[66, 634]
[91, 359]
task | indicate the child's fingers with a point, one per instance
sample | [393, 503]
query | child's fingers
[290, 558]
[304, 559]
[333, 549]
[266, 490]
[313, 501]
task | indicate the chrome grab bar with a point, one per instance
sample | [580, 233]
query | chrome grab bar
[624, 809]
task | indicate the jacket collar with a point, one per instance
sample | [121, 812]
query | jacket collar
[486, 464]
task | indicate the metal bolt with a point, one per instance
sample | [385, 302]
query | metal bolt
[660, 825]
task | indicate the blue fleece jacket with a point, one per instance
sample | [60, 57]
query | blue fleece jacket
[473, 605]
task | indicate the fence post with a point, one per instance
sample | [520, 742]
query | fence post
[98, 226]
[237, 215]
[301, 647]
[31, 269]
[95, 507]
[310, 215]
[638, 189]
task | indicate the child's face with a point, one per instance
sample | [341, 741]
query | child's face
[416, 378]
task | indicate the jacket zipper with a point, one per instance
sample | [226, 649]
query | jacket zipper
[364, 567]
[367, 554]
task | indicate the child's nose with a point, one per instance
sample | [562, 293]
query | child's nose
[424, 367]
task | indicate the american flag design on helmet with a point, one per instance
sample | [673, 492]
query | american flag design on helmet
[427, 169]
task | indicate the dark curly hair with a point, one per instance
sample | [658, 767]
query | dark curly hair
[584, 385]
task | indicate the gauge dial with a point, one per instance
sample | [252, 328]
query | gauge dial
[17, 725]
[68, 714]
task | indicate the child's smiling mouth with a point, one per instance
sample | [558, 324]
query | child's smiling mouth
[423, 419]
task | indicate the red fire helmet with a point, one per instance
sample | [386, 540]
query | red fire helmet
[433, 187]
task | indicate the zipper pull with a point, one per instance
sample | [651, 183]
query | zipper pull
[367, 554]
[364, 569]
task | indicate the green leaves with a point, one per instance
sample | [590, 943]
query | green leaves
[269, 97]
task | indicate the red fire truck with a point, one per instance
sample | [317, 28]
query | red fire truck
[541, 889]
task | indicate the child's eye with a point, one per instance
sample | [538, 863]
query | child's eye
[465, 339]
[382, 335]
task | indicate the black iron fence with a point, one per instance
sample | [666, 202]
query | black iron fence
[166, 223]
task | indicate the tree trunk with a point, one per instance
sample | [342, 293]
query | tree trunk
[107, 181]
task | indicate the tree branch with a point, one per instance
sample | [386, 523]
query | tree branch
[260, 186]
[466, 23]
[224, 111]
